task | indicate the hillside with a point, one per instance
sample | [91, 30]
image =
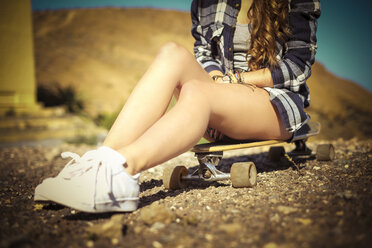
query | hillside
[102, 53]
[343, 107]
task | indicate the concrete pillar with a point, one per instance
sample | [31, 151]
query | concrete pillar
[17, 74]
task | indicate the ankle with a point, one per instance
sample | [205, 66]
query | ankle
[130, 164]
[130, 170]
[130, 167]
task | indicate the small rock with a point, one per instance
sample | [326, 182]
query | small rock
[38, 207]
[137, 230]
[90, 243]
[270, 245]
[192, 220]
[209, 237]
[346, 166]
[155, 213]
[110, 229]
[157, 244]
[316, 168]
[348, 194]
[286, 209]
[157, 226]
[340, 213]
[275, 218]
[231, 229]
[274, 198]
[114, 241]
[304, 221]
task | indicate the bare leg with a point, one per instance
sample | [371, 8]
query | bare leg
[176, 132]
[234, 109]
[172, 67]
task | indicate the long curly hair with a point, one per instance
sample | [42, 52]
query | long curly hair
[269, 21]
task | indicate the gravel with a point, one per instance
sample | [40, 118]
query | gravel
[329, 206]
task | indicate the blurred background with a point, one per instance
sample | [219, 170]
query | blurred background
[69, 66]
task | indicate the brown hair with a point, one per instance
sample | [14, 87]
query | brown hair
[269, 20]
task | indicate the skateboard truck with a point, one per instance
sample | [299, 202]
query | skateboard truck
[301, 149]
[242, 174]
[207, 168]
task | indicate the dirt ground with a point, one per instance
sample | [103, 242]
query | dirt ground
[329, 206]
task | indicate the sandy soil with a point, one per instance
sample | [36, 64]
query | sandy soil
[327, 207]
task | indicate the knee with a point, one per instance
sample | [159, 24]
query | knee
[193, 93]
[174, 51]
[192, 89]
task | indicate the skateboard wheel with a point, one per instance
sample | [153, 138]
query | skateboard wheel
[243, 174]
[325, 152]
[276, 153]
[172, 177]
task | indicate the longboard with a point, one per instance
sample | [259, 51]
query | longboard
[242, 174]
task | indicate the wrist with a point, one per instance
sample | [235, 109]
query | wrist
[242, 78]
[234, 77]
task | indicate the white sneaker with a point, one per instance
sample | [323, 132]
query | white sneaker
[70, 169]
[96, 182]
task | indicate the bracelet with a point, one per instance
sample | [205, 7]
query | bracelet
[234, 77]
[239, 78]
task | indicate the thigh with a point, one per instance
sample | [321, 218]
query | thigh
[240, 112]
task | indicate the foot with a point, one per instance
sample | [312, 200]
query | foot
[97, 182]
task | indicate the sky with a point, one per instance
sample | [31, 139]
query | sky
[344, 32]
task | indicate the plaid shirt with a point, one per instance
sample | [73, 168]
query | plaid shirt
[213, 26]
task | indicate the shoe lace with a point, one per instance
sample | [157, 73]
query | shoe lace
[77, 166]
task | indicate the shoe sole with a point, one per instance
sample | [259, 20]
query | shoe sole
[39, 198]
[125, 206]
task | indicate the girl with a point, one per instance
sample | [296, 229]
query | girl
[248, 82]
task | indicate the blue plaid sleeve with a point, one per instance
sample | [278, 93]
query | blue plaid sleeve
[299, 51]
[202, 46]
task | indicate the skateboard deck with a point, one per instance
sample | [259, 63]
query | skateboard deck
[308, 130]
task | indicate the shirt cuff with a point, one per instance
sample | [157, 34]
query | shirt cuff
[212, 66]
